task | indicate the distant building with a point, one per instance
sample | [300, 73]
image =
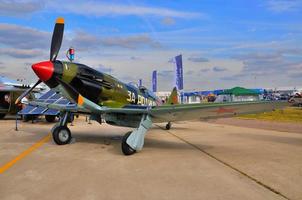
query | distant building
[226, 95]
[238, 94]
[191, 97]
[163, 95]
[285, 90]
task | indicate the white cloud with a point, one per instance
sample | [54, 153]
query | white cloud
[23, 37]
[219, 69]
[130, 41]
[19, 8]
[279, 6]
[98, 9]
[86, 41]
[21, 53]
[89, 8]
[198, 59]
[273, 63]
[114, 52]
[168, 21]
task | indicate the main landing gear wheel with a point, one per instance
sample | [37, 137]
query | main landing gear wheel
[168, 126]
[61, 135]
[126, 149]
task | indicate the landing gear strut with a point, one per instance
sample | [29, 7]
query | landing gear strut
[134, 141]
[168, 126]
[60, 132]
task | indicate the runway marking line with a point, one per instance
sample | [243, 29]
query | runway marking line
[24, 153]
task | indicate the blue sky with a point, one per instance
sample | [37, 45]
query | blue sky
[224, 43]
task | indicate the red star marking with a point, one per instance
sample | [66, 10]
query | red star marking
[224, 110]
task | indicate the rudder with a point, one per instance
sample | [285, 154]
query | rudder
[173, 98]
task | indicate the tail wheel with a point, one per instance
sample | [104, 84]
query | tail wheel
[168, 126]
[61, 135]
[126, 149]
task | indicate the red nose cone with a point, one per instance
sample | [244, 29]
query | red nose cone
[44, 70]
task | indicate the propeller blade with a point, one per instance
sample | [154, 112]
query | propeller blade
[57, 38]
[73, 93]
[79, 99]
[26, 92]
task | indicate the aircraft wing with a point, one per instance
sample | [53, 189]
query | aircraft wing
[59, 107]
[75, 108]
[8, 88]
[183, 112]
[179, 112]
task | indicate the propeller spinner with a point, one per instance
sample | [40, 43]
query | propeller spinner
[44, 70]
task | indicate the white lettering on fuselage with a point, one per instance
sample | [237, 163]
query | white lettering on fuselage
[141, 100]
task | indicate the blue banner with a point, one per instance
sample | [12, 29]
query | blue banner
[154, 81]
[140, 82]
[179, 72]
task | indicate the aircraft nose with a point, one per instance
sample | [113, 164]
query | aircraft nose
[44, 70]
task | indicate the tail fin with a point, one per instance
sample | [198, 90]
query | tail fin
[173, 98]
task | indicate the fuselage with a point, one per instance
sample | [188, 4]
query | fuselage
[100, 88]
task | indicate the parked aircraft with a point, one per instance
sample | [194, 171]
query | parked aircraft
[9, 92]
[104, 97]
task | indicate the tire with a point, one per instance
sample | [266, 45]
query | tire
[61, 135]
[126, 149]
[2, 115]
[50, 118]
[168, 126]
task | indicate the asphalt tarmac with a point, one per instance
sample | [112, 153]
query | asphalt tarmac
[193, 160]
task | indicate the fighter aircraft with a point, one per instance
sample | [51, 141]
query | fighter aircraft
[9, 92]
[104, 97]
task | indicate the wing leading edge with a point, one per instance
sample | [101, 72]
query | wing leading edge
[179, 112]
[204, 111]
